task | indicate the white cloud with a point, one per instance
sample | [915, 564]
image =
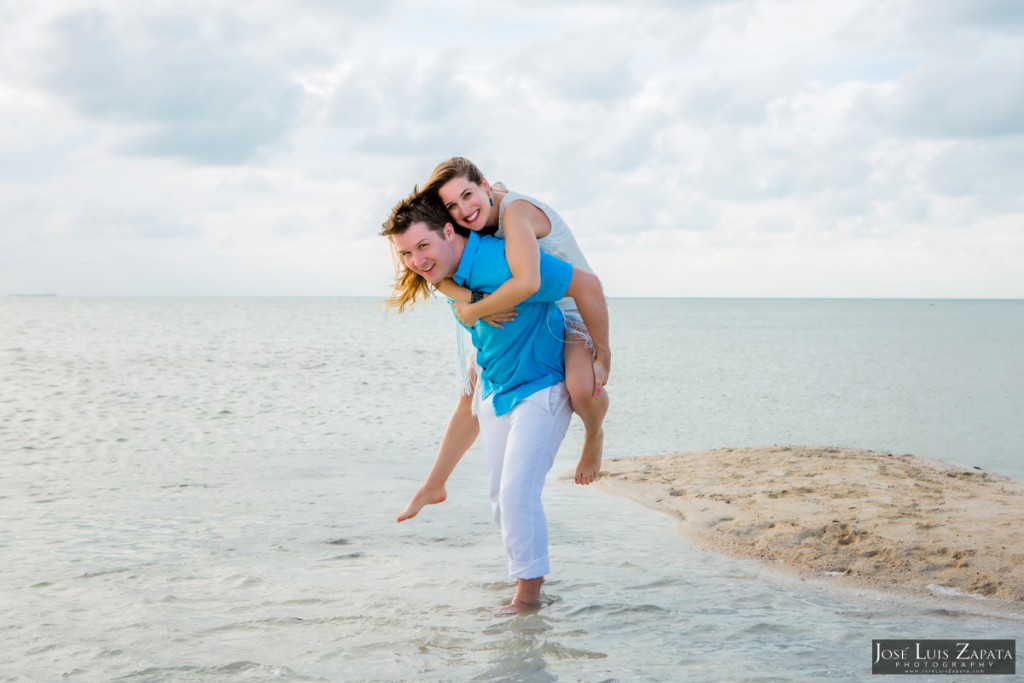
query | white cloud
[961, 96]
[778, 148]
[171, 82]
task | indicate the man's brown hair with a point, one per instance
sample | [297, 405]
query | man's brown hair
[418, 207]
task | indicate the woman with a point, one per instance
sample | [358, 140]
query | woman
[528, 225]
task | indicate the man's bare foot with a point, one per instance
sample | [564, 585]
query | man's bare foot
[516, 608]
[589, 465]
[527, 597]
[423, 497]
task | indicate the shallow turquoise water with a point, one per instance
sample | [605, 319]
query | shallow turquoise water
[205, 489]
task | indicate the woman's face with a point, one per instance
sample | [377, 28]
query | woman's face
[468, 203]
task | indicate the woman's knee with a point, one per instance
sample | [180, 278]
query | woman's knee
[582, 398]
[579, 381]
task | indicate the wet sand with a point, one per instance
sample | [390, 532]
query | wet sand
[860, 518]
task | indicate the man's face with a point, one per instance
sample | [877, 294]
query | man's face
[427, 253]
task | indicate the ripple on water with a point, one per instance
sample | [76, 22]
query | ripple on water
[252, 670]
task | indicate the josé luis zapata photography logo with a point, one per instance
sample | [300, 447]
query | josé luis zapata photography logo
[938, 657]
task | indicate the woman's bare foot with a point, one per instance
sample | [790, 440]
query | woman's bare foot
[589, 465]
[423, 497]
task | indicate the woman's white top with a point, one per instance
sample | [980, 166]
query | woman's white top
[559, 242]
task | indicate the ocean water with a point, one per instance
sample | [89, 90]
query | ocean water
[205, 490]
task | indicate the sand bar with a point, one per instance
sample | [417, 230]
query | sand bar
[860, 518]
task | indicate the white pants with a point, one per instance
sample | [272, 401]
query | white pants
[520, 448]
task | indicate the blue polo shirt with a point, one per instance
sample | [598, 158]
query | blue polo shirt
[525, 355]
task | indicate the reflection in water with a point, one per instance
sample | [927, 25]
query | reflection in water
[523, 647]
[519, 651]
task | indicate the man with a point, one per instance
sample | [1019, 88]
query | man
[521, 402]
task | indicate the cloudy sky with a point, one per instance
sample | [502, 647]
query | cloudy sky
[790, 148]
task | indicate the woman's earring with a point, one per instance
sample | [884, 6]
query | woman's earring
[490, 197]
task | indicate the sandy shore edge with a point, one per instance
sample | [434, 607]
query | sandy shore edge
[858, 518]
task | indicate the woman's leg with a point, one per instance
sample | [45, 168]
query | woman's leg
[458, 437]
[579, 379]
